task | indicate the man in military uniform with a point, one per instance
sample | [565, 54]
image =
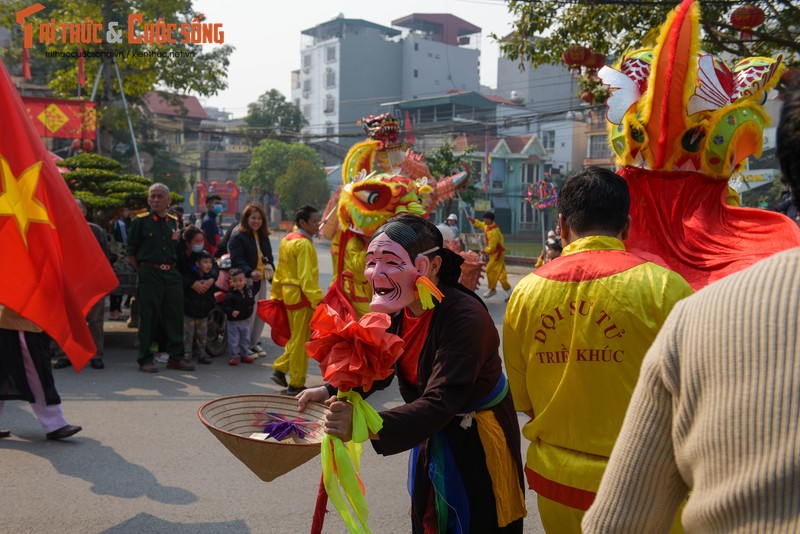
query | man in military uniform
[151, 251]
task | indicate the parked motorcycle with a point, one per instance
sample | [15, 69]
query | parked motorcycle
[217, 328]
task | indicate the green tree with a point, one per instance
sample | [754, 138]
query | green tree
[543, 30]
[442, 161]
[271, 159]
[102, 183]
[302, 183]
[272, 113]
[141, 69]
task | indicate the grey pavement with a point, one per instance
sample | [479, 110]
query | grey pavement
[145, 464]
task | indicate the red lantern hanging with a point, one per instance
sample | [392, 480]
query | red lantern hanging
[88, 145]
[594, 62]
[790, 76]
[76, 145]
[746, 18]
[575, 56]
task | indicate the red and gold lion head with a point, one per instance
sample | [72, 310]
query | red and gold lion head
[371, 199]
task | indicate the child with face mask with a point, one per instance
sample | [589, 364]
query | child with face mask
[198, 301]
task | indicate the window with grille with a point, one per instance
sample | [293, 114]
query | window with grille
[598, 147]
[549, 139]
[529, 173]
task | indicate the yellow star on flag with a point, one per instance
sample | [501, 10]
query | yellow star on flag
[17, 198]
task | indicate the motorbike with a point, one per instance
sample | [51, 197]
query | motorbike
[217, 327]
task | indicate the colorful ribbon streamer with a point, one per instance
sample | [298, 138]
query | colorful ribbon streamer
[341, 463]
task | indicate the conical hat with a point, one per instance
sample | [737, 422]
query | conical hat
[233, 419]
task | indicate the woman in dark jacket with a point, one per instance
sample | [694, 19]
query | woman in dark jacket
[191, 242]
[458, 421]
[251, 252]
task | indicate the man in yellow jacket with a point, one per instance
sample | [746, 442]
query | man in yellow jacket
[296, 283]
[496, 267]
[574, 336]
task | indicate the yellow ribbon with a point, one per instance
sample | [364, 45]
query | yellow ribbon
[426, 290]
[341, 463]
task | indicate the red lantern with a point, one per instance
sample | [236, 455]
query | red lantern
[790, 76]
[88, 145]
[594, 62]
[746, 18]
[575, 56]
[76, 145]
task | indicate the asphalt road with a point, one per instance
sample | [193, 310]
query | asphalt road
[145, 464]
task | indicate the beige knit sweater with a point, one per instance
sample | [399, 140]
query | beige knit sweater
[716, 412]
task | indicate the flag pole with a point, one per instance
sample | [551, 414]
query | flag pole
[128, 116]
[96, 83]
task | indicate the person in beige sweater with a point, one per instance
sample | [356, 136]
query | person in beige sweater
[714, 421]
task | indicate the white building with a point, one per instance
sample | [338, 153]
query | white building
[440, 53]
[348, 66]
[351, 66]
[552, 110]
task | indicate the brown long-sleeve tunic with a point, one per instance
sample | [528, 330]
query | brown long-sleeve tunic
[459, 365]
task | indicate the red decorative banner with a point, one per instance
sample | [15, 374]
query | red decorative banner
[59, 117]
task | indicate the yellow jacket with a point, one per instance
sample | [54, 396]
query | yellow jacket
[494, 240]
[296, 279]
[574, 336]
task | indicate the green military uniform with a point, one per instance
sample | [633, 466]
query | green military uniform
[151, 240]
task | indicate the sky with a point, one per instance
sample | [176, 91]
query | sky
[266, 35]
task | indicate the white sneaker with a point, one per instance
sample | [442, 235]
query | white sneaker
[508, 294]
[161, 357]
[257, 352]
[489, 294]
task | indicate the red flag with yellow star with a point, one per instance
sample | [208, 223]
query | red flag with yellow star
[53, 270]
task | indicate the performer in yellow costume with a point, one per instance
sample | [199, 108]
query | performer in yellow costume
[296, 283]
[496, 267]
[574, 336]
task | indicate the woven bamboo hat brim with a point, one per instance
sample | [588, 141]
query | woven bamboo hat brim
[232, 420]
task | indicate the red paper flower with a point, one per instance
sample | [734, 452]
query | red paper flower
[350, 353]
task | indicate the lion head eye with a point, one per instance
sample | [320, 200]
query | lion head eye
[368, 196]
